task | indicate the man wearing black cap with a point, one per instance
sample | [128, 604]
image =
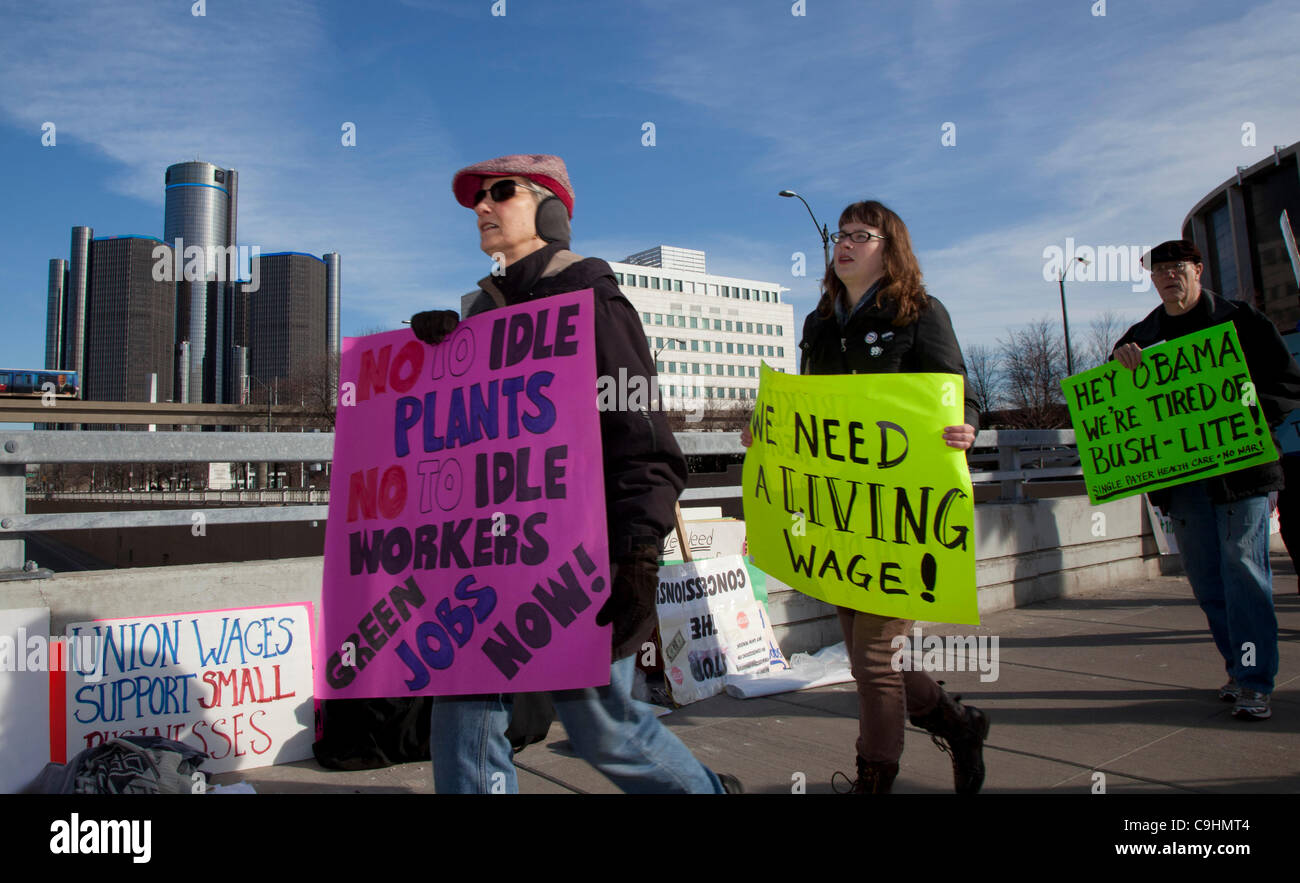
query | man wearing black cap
[1221, 522]
[522, 205]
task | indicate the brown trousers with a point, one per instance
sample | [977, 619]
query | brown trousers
[885, 696]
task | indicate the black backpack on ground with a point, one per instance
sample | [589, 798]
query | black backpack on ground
[366, 734]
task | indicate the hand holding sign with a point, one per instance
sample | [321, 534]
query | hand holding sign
[1129, 355]
[959, 437]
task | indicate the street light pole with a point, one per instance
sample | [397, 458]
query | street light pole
[656, 361]
[248, 377]
[268, 397]
[1065, 321]
[822, 231]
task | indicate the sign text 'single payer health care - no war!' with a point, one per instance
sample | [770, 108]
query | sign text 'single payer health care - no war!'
[465, 550]
[852, 496]
[1187, 412]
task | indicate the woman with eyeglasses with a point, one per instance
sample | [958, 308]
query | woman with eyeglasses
[875, 317]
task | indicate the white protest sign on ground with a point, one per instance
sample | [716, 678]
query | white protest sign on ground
[24, 697]
[700, 513]
[719, 538]
[709, 538]
[1162, 528]
[711, 626]
[235, 684]
[829, 665]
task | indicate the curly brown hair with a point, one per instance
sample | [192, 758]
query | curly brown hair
[901, 285]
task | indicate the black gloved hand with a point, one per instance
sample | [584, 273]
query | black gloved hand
[433, 326]
[631, 604]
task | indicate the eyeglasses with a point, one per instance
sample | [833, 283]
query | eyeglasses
[858, 236]
[1167, 269]
[503, 190]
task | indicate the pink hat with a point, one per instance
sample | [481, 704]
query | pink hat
[540, 168]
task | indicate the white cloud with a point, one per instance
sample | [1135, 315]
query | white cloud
[1095, 131]
[1083, 128]
[249, 87]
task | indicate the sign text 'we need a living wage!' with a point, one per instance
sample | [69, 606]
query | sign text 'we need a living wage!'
[852, 496]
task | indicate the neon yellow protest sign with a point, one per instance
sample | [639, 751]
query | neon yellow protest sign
[852, 496]
[1189, 411]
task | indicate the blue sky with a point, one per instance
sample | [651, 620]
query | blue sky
[1106, 129]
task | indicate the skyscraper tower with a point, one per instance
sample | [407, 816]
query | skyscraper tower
[285, 322]
[130, 322]
[74, 303]
[135, 316]
[332, 340]
[202, 202]
[57, 293]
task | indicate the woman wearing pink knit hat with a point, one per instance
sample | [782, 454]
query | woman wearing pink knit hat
[522, 206]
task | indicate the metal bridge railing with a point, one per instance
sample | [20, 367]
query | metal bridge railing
[1006, 457]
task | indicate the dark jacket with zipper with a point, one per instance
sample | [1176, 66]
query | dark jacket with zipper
[1272, 369]
[869, 343]
[645, 471]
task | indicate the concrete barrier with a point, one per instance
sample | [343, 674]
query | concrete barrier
[1025, 552]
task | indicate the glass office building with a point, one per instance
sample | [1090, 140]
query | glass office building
[130, 320]
[284, 325]
[108, 305]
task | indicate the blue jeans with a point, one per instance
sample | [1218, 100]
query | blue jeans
[618, 735]
[1225, 553]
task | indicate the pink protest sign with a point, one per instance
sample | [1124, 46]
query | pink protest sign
[465, 550]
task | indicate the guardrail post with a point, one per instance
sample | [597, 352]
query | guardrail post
[1008, 461]
[13, 501]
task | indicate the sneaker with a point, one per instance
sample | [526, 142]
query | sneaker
[730, 784]
[1230, 691]
[1252, 706]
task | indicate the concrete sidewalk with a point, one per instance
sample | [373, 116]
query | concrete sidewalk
[1120, 682]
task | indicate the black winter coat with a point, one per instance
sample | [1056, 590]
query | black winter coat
[871, 344]
[645, 471]
[1272, 369]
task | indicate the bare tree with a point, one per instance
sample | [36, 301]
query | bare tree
[1100, 339]
[984, 377]
[1033, 363]
[311, 388]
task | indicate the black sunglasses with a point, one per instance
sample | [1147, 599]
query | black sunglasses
[501, 191]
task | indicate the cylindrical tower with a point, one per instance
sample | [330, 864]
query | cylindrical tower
[228, 391]
[74, 329]
[332, 341]
[239, 380]
[198, 213]
[183, 371]
[54, 313]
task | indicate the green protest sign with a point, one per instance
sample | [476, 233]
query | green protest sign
[1187, 412]
[852, 496]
